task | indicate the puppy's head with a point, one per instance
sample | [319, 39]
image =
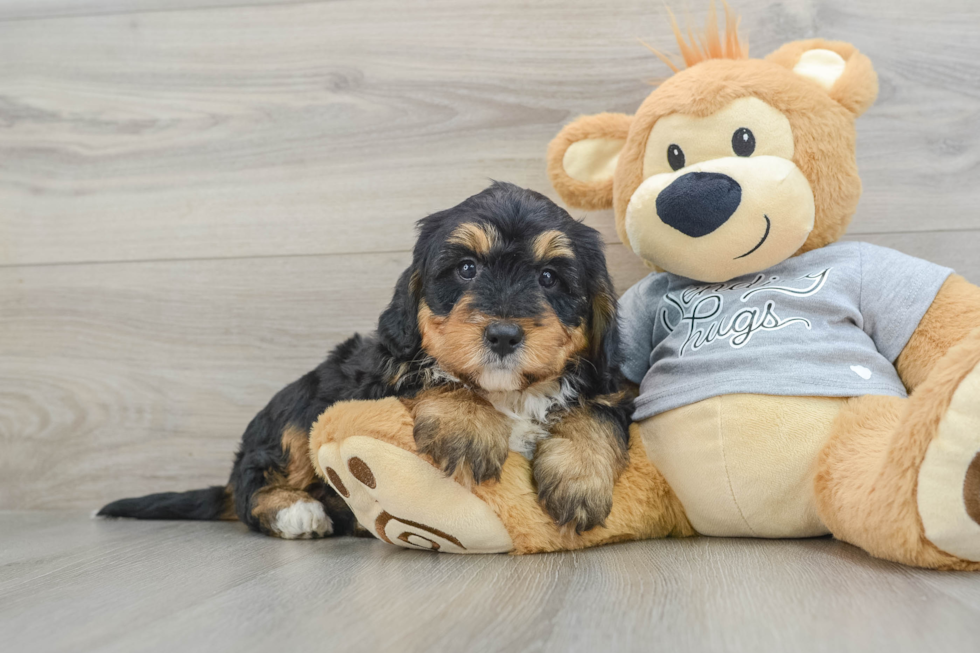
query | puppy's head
[507, 290]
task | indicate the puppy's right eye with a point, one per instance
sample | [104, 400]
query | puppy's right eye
[675, 157]
[466, 269]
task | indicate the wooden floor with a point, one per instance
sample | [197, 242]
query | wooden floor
[198, 198]
[69, 583]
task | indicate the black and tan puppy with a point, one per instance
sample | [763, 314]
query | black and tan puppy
[501, 336]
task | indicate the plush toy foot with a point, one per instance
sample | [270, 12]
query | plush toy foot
[397, 496]
[901, 477]
[949, 480]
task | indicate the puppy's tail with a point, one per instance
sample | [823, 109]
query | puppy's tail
[210, 504]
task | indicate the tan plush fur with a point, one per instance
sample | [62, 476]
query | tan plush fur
[954, 313]
[387, 420]
[643, 504]
[855, 90]
[867, 473]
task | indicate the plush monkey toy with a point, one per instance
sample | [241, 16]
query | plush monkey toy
[790, 385]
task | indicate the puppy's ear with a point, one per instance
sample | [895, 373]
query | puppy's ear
[583, 157]
[398, 326]
[603, 334]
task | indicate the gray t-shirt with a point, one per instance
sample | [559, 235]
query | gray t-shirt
[827, 323]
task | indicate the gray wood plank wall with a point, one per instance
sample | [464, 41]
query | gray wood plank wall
[198, 199]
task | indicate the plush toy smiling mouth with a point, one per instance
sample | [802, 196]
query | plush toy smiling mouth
[764, 237]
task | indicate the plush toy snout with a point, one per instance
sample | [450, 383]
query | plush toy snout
[718, 219]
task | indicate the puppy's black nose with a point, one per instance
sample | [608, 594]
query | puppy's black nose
[697, 203]
[503, 337]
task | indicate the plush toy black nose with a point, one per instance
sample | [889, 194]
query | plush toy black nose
[697, 203]
[503, 337]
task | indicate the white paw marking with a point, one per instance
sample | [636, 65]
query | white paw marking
[302, 520]
[861, 371]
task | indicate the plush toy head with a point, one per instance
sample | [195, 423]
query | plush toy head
[733, 164]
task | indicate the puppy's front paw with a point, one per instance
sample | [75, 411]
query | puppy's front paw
[483, 452]
[573, 488]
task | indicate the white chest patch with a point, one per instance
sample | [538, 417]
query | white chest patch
[529, 412]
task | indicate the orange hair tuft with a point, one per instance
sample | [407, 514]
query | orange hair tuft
[709, 45]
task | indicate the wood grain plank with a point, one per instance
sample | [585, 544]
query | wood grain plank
[331, 127]
[19, 10]
[124, 378]
[127, 378]
[124, 586]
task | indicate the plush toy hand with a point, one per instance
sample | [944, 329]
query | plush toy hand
[366, 451]
[398, 496]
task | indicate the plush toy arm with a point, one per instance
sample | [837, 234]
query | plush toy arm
[954, 314]
[366, 451]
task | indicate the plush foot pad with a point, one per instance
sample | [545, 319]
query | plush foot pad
[949, 479]
[304, 520]
[403, 500]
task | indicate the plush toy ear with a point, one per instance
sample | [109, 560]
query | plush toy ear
[838, 68]
[582, 159]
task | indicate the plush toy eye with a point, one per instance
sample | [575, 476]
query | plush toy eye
[675, 157]
[743, 142]
[466, 269]
[548, 278]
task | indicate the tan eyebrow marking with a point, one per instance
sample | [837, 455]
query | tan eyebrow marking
[480, 239]
[552, 244]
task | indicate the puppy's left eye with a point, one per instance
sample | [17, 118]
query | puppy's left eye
[548, 278]
[466, 269]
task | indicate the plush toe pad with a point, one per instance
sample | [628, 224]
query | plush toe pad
[405, 501]
[949, 479]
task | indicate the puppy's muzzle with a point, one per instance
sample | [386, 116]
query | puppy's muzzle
[503, 338]
[697, 203]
